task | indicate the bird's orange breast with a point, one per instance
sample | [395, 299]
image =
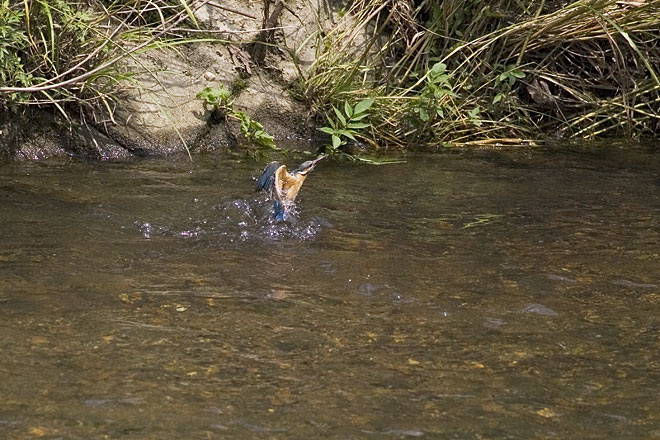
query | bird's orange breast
[287, 185]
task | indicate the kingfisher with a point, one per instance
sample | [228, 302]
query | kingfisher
[283, 186]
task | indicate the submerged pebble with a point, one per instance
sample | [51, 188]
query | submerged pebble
[627, 283]
[493, 323]
[539, 309]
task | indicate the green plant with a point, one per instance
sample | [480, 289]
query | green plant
[254, 131]
[65, 53]
[511, 74]
[13, 42]
[239, 85]
[506, 80]
[347, 125]
[433, 99]
[505, 71]
[37, 42]
[217, 98]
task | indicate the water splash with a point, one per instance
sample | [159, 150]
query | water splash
[148, 230]
[255, 220]
[234, 221]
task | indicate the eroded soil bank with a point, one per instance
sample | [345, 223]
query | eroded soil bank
[159, 114]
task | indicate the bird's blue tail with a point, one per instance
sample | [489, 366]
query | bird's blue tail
[279, 213]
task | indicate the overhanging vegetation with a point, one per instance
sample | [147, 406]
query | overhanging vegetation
[65, 54]
[483, 72]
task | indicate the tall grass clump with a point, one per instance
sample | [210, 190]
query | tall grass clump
[504, 71]
[64, 54]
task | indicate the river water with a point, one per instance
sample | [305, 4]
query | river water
[469, 295]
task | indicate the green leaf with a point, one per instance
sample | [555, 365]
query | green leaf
[359, 117]
[498, 98]
[242, 116]
[357, 125]
[474, 116]
[445, 92]
[339, 115]
[217, 96]
[266, 140]
[363, 106]
[189, 11]
[336, 141]
[327, 130]
[348, 134]
[348, 109]
[204, 94]
[423, 114]
[438, 68]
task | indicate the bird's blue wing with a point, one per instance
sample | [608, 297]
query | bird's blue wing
[267, 179]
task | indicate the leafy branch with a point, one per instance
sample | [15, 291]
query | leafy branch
[347, 125]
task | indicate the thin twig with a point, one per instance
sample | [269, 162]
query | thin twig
[228, 9]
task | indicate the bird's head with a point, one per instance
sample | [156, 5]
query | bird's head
[308, 166]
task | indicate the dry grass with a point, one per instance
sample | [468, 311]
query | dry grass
[459, 72]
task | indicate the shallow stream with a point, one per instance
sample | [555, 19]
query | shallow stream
[470, 295]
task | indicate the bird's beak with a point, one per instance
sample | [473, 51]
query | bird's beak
[313, 164]
[318, 159]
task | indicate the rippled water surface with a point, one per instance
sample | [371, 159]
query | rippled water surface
[468, 295]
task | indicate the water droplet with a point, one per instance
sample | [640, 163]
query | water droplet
[146, 229]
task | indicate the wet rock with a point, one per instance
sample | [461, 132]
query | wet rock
[40, 134]
[627, 283]
[561, 278]
[539, 309]
[404, 432]
[368, 289]
[21, 139]
[87, 141]
[493, 323]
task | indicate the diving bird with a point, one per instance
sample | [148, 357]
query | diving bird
[283, 186]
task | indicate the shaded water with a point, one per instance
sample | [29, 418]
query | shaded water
[485, 294]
